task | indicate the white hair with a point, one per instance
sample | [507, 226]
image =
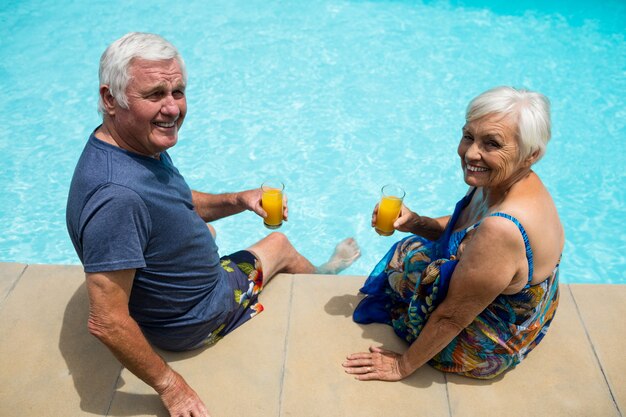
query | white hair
[117, 58]
[529, 109]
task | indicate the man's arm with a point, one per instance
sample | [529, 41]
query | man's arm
[212, 207]
[110, 321]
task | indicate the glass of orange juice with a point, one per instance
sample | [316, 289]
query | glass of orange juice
[272, 202]
[389, 209]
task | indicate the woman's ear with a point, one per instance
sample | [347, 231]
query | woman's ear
[107, 99]
[532, 158]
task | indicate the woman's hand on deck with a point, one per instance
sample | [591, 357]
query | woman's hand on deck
[377, 364]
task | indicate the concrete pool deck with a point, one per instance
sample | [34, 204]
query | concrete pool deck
[287, 361]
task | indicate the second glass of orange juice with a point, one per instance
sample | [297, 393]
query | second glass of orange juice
[272, 202]
[389, 209]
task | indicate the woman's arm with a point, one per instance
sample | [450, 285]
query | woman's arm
[490, 262]
[430, 228]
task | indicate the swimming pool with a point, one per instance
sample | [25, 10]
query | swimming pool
[337, 98]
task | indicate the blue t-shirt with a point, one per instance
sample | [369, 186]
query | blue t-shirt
[128, 211]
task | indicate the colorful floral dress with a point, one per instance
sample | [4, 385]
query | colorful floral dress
[412, 279]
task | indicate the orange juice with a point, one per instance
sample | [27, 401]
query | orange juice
[272, 202]
[388, 211]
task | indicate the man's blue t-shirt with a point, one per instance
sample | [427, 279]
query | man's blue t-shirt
[127, 211]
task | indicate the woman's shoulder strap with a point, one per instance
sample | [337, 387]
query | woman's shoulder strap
[529, 252]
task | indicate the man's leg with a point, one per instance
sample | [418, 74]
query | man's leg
[277, 254]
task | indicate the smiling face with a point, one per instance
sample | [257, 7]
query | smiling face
[490, 153]
[156, 108]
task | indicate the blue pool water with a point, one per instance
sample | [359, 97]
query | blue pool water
[338, 98]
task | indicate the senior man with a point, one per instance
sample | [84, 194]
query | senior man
[154, 276]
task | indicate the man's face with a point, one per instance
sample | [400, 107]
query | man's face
[156, 107]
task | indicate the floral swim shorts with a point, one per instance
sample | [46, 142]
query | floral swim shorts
[246, 279]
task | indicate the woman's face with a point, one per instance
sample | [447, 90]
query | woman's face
[489, 151]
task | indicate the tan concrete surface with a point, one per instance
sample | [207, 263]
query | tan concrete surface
[321, 335]
[50, 365]
[603, 312]
[9, 275]
[287, 361]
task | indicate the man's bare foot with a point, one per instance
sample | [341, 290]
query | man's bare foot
[346, 252]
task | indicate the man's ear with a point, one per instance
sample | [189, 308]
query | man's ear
[107, 99]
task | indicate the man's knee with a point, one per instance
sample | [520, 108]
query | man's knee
[277, 235]
[279, 239]
[276, 243]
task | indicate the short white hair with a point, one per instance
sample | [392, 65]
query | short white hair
[117, 58]
[529, 109]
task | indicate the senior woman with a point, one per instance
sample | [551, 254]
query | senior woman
[473, 293]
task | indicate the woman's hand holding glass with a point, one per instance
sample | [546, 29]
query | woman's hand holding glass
[408, 221]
